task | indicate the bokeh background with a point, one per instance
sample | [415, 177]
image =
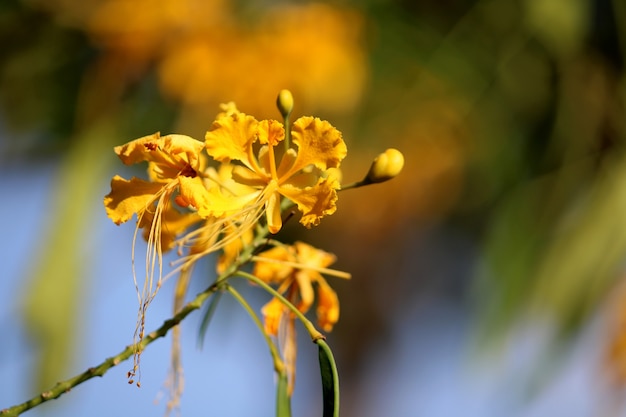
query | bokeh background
[487, 277]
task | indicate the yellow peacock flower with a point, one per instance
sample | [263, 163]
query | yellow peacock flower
[297, 271]
[303, 174]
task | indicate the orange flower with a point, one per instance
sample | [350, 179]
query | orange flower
[304, 175]
[174, 165]
[297, 270]
[175, 162]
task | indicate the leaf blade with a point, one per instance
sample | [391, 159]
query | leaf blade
[330, 380]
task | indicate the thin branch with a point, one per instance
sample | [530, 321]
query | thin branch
[63, 387]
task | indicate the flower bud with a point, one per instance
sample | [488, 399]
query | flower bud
[284, 102]
[385, 166]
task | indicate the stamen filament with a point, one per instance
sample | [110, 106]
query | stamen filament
[326, 271]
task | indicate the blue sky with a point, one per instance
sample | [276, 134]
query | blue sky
[425, 367]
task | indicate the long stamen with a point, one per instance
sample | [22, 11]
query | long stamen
[242, 221]
[326, 271]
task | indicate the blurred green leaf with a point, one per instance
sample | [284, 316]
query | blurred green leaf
[52, 304]
[208, 315]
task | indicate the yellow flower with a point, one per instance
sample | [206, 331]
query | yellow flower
[320, 58]
[175, 162]
[229, 219]
[174, 166]
[304, 175]
[296, 270]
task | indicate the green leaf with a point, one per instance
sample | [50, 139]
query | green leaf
[283, 401]
[53, 300]
[330, 380]
[208, 315]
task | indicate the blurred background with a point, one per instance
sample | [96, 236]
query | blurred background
[487, 277]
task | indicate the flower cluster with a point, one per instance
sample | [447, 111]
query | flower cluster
[229, 194]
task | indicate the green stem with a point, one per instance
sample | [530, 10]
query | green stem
[279, 366]
[356, 184]
[287, 125]
[313, 332]
[99, 370]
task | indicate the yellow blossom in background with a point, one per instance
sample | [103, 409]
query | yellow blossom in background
[148, 29]
[313, 49]
[297, 271]
[205, 52]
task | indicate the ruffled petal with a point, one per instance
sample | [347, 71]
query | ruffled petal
[129, 197]
[172, 155]
[271, 132]
[319, 144]
[231, 138]
[314, 202]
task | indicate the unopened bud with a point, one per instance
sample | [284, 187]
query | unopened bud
[385, 166]
[284, 102]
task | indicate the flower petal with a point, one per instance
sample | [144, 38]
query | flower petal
[274, 272]
[192, 192]
[172, 154]
[273, 312]
[314, 202]
[129, 197]
[303, 278]
[319, 143]
[327, 306]
[231, 138]
[273, 214]
[271, 132]
[312, 256]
